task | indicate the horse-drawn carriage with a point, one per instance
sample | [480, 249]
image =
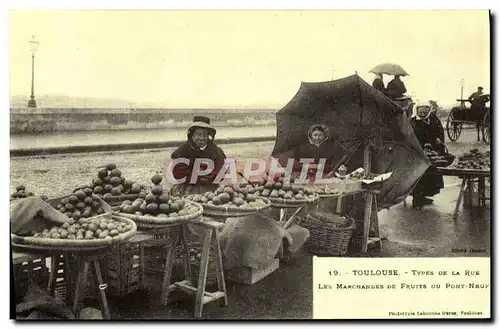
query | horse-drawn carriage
[474, 115]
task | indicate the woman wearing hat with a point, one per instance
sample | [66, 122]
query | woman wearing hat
[428, 130]
[199, 145]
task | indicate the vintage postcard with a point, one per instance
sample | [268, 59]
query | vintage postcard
[250, 165]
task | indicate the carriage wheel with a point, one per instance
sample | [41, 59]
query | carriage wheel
[453, 129]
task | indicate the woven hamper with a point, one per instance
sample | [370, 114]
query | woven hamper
[327, 238]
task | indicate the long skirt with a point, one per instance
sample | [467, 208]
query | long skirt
[429, 185]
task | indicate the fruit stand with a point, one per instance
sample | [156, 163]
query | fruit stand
[106, 239]
[86, 235]
[473, 168]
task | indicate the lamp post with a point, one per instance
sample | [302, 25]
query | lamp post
[34, 47]
[462, 103]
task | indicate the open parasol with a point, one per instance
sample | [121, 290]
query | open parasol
[389, 68]
[354, 113]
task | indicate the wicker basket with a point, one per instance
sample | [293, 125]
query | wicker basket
[151, 222]
[326, 238]
[225, 211]
[73, 245]
[293, 203]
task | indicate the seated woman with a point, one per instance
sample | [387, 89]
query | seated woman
[199, 145]
[320, 146]
[428, 130]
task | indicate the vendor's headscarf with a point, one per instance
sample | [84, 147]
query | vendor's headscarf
[378, 76]
[422, 104]
[320, 127]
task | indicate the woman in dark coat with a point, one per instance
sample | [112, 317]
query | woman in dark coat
[199, 145]
[428, 130]
[396, 88]
[320, 146]
[378, 83]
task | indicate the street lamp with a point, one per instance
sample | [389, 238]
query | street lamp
[462, 103]
[34, 47]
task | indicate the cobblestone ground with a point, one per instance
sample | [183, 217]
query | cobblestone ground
[57, 175]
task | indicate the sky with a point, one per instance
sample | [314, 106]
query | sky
[243, 59]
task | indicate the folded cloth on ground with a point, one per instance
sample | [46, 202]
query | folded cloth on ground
[251, 241]
[299, 237]
[38, 304]
[23, 212]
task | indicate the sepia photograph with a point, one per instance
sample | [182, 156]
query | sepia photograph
[239, 164]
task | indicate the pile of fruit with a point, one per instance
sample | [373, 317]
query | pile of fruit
[282, 190]
[81, 204]
[233, 196]
[158, 203]
[434, 158]
[85, 229]
[474, 160]
[21, 193]
[111, 183]
[358, 174]
[325, 190]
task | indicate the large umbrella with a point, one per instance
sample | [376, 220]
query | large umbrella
[355, 112]
[389, 68]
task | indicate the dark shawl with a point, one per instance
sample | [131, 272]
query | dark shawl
[191, 152]
[396, 89]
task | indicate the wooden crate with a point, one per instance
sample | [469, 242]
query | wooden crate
[250, 276]
[121, 269]
[66, 274]
[29, 273]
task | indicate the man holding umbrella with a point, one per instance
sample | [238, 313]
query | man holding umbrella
[396, 88]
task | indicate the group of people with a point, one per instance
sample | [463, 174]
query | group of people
[395, 88]
[428, 129]
[200, 145]
[426, 125]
